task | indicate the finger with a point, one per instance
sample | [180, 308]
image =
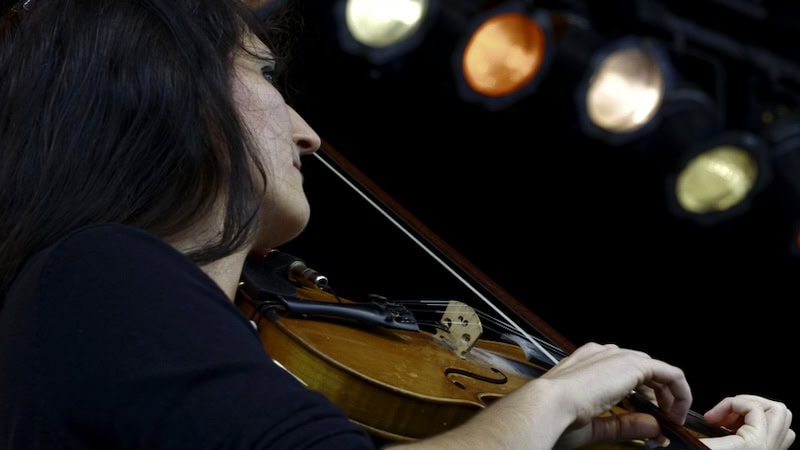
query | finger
[779, 419]
[591, 349]
[625, 427]
[731, 442]
[731, 412]
[764, 423]
[648, 392]
[672, 390]
[662, 395]
[735, 409]
[668, 382]
[788, 439]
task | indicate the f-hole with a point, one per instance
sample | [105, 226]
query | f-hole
[502, 379]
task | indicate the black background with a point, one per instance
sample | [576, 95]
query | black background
[577, 230]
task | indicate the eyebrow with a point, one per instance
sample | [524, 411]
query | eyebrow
[253, 45]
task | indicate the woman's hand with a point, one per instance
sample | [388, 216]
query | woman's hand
[594, 378]
[759, 423]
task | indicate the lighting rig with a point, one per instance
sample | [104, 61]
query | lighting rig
[715, 103]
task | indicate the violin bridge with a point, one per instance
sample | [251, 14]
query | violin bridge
[461, 327]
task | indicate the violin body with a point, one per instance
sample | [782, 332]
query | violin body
[398, 385]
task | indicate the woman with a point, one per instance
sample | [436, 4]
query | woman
[146, 150]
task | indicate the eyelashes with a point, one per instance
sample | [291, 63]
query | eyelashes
[268, 72]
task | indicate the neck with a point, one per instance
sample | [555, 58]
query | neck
[227, 272]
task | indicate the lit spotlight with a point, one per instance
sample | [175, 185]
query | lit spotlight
[718, 180]
[621, 93]
[382, 30]
[502, 56]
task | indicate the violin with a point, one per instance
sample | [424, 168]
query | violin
[402, 375]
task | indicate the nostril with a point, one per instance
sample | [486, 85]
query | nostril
[307, 144]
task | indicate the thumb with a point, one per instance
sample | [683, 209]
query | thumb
[625, 427]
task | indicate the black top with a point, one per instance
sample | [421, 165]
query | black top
[112, 339]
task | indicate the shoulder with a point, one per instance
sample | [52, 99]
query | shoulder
[111, 242]
[108, 288]
[116, 334]
[115, 256]
[113, 269]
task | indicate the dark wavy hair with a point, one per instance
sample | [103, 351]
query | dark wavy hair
[119, 111]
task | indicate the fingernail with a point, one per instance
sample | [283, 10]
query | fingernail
[658, 442]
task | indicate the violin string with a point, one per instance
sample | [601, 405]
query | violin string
[434, 324]
[434, 256]
[483, 316]
[496, 326]
[488, 321]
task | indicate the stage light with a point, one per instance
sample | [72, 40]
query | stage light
[622, 90]
[718, 180]
[382, 30]
[502, 55]
[783, 138]
[686, 116]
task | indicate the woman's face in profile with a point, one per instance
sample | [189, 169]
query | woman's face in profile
[280, 135]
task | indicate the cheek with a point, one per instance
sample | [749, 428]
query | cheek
[270, 141]
[271, 132]
[259, 105]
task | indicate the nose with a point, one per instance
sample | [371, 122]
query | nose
[303, 135]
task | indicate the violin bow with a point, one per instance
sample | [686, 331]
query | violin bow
[440, 251]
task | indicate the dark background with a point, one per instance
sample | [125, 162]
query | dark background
[577, 230]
